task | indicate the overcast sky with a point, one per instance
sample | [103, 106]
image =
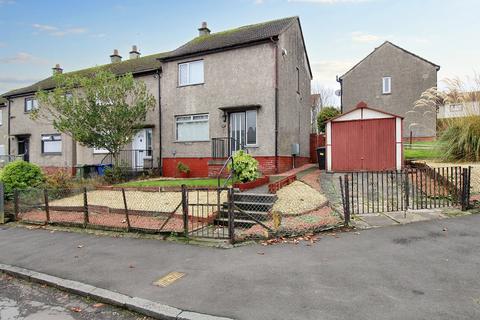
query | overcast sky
[35, 35]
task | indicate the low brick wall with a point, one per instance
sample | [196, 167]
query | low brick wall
[277, 185]
[252, 184]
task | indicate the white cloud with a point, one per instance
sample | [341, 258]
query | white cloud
[23, 58]
[359, 36]
[4, 2]
[331, 1]
[57, 32]
[326, 71]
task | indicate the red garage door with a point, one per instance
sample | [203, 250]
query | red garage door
[363, 145]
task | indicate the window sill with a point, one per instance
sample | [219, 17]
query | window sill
[51, 153]
[190, 85]
[176, 141]
[386, 94]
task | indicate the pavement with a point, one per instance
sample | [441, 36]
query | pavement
[23, 300]
[422, 270]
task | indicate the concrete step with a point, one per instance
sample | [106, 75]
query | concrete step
[255, 197]
[259, 215]
[251, 206]
[238, 223]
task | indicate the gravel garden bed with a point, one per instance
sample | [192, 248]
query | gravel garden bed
[298, 198]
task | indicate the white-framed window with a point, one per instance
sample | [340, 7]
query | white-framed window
[251, 127]
[52, 143]
[190, 73]
[456, 107]
[148, 141]
[386, 85]
[30, 104]
[192, 127]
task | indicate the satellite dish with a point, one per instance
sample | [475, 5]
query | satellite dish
[338, 92]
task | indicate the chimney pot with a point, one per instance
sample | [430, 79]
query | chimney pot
[115, 57]
[57, 69]
[134, 54]
[203, 30]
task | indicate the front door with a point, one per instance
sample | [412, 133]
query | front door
[237, 131]
[141, 148]
[23, 148]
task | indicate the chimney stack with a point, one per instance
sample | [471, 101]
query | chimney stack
[203, 30]
[57, 69]
[134, 54]
[115, 57]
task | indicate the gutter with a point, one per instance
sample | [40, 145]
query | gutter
[275, 44]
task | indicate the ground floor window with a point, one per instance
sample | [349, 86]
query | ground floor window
[192, 127]
[51, 143]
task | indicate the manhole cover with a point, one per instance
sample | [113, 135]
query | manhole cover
[168, 279]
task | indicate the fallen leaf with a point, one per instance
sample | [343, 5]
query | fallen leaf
[98, 305]
[76, 309]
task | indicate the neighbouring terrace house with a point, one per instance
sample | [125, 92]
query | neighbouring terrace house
[392, 79]
[467, 104]
[246, 88]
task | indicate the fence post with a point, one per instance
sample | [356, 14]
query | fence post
[47, 207]
[465, 188]
[185, 209]
[231, 218]
[347, 201]
[2, 204]
[127, 218]
[85, 208]
[15, 205]
[407, 190]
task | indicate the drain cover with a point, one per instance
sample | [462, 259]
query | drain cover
[168, 279]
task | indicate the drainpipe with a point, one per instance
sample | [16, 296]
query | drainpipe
[160, 162]
[275, 44]
[339, 80]
[8, 124]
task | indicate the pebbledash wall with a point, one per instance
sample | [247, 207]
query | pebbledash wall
[223, 89]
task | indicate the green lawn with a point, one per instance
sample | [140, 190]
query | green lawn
[207, 182]
[421, 151]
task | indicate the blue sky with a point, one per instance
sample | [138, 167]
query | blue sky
[35, 35]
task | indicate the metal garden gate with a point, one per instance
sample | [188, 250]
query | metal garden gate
[408, 189]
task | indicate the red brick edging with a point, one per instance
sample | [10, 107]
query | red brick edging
[252, 184]
[277, 185]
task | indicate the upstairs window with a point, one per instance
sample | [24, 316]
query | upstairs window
[30, 104]
[192, 128]
[190, 73]
[386, 85]
[51, 143]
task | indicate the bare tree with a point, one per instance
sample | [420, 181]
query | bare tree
[321, 97]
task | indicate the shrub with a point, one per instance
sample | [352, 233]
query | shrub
[115, 175]
[245, 167]
[60, 179]
[183, 168]
[460, 141]
[324, 115]
[21, 175]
